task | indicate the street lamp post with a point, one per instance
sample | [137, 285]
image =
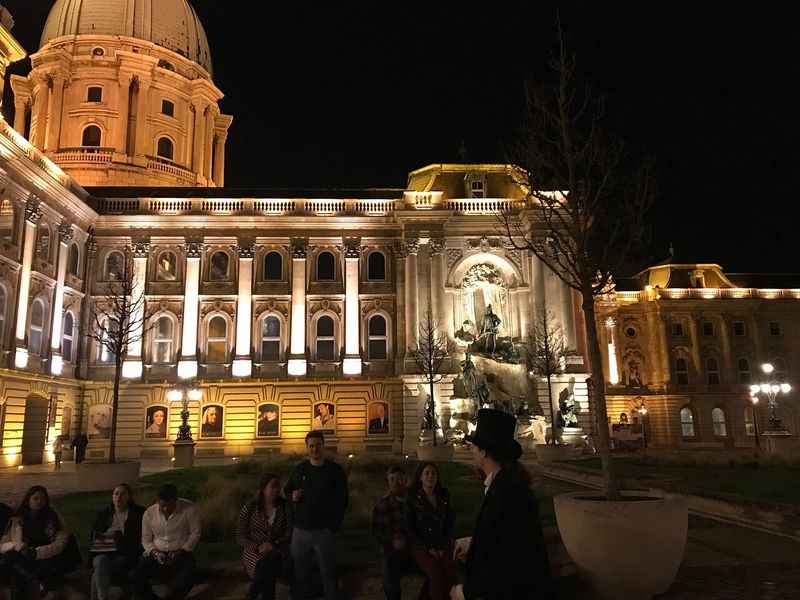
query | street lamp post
[754, 400]
[771, 388]
[642, 410]
[184, 443]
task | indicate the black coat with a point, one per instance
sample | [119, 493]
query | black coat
[507, 559]
[131, 545]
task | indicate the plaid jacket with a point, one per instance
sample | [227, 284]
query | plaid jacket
[389, 519]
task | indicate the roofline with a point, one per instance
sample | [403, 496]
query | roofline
[460, 167]
[682, 266]
[225, 192]
[15, 50]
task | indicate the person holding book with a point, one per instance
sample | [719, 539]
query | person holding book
[116, 541]
[430, 523]
[37, 550]
[170, 532]
[506, 558]
[263, 532]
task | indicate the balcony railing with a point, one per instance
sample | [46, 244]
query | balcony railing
[483, 206]
[248, 206]
[84, 154]
[707, 294]
[162, 165]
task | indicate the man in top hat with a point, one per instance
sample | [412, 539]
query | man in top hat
[506, 558]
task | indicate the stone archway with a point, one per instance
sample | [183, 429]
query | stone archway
[35, 430]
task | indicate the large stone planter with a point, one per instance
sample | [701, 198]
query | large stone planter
[93, 477]
[438, 453]
[629, 549]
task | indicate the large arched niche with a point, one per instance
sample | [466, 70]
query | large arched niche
[480, 280]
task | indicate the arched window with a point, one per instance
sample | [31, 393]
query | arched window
[115, 266]
[217, 342]
[219, 267]
[162, 340]
[165, 149]
[36, 330]
[2, 313]
[73, 259]
[110, 329]
[91, 136]
[744, 370]
[43, 242]
[377, 338]
[749, 422]
[687, 422]
[167, 267]
[271, 339]
[94, 94]
[326, 341]
[273, 266]
[167, 108]
[718, 421]
[326, 267]
[376, 266]
[682, 371]
[67, 336]
[712, 371]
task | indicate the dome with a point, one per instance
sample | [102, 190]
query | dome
[172, 24]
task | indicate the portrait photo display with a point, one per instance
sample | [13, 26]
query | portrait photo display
[155, 422]
[211, 420]
[269, 420]
[324, 417]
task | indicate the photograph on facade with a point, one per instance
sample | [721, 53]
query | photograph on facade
[99, 421]
[324, 417]
[378, 416]
[211, 421]
[155, 422]
[268, 420]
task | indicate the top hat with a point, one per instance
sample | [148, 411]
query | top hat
[495, 433]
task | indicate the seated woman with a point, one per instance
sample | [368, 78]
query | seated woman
[430, 523]
[37, 549]
[263, 531]
[116, 538]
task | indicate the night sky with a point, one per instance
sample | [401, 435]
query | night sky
[359, 94]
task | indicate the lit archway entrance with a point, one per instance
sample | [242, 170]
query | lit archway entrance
[35, 430]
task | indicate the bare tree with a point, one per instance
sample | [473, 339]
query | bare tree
[119, 320]
[546, 352]
[430, 355]
[590, 223]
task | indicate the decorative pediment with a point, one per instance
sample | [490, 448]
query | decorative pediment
[272, 305]
[332, 305]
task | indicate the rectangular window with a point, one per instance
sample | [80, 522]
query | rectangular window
[216, 352]
[94, 94]
[774, 328]
[325, 349]
[476, 189]
[739, 329]
[708, 329]
[270, 350]
[167, 108]
[677, 329]
[377, 349]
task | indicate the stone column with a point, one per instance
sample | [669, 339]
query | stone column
[56, 360]
[85, 341]
[142, 111]
[610, 326]
[412, 300]
[437, 282]
[187, 366]
[352, 321]
[539, 297]
[132, 365]
[400, 306]
[209, 141]
[729, 376]
[568, 316]
[20, 105]
[121, 133]
[33, 213]
[198, 162]
[219, 163]
[40, 106]
[243, 362]
[695, 344]
[297, 364]
[54, 115]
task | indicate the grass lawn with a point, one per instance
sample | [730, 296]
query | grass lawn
[769, 483]
[220, 492]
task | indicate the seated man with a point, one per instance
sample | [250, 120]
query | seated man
[389, 528]
[170, 533]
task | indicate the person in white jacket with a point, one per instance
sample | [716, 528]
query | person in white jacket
[35, 550]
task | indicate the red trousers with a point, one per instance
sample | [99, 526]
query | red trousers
[440, 572]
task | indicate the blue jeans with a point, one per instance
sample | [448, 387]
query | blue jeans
[107, 566]
[305, 545]
[395, 565]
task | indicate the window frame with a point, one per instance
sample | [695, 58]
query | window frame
[723, 429]
[710, 325]
[384, 338]
[104, 355]
[776, 331]
[40, 328]
[679, 372]
[712, 373]
[158, 272]
[264, 338]
[685, 410]
[67, 356]
[216, 340]
[99, 139]
[90, 89]
[106, 271]
[743, 326]
[744, 376]
[676, 329]
[369, 266]
[331, 338]
[749, 420]
[156, 340]
[164, 103]
[165, 138]
[265, 270]
[77, 254]
[227, 276]
[333, 266]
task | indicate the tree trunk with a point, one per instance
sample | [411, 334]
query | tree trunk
[433, 411]
[112, 448]
[599, 398]
[553, 408]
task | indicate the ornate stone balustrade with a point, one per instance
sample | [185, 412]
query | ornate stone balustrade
[708, 294]
[248, 206]
[84, 154]
[164, 166]
[483, 206]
